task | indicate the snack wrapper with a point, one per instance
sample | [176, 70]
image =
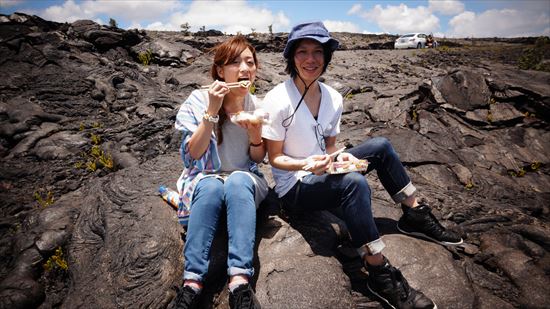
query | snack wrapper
[255, 117]
[348, 167]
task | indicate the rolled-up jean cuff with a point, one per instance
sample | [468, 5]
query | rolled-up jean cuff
[233, 271]
[407, 191]
[191, 276]
[371, 248]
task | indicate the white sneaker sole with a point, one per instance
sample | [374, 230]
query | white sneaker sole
[416, 234]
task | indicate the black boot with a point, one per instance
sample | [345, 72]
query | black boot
[387, 283]
[419, 221]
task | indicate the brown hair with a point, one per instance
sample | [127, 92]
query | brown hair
[225, 53]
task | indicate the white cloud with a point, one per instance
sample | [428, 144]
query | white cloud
[230, 16]
[8, 3]
[446, 7]
[68, 12]
[159, 26]
[499, 23]
[356, 8]
[341, 26]
[134, 11]
[402, 19]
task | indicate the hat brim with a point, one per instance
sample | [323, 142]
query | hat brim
[333, 44]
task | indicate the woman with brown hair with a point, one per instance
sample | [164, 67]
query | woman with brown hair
[220, 176]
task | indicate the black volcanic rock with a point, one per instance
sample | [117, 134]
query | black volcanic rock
[87, 136]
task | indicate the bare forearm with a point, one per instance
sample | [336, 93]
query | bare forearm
[287, 163]
[257, 153]
[200, 139]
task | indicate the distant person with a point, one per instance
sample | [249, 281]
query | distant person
[305, 120]
[220, 176]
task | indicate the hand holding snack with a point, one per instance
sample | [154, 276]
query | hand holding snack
[258, 116]
[317, 164]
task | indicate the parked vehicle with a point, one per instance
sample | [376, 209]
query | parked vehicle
[413, 40]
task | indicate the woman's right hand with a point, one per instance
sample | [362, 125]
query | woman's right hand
[317, 164]
[216, 92]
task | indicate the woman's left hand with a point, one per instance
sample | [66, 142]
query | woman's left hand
[253, 129]
[344, 156]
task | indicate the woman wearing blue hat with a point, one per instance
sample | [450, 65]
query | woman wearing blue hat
[305, 120]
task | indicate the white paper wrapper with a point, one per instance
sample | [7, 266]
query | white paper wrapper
[348, 167]
[256, 116]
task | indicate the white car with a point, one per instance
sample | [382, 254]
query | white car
[411, 40]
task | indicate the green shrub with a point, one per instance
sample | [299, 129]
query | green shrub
[56, 261]
[145, 57]
[44, 201]
[532, 58]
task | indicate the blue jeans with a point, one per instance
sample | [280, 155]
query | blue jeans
[351, 192]
[213, 198]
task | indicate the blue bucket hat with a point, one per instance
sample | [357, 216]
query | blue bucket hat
[315, 31]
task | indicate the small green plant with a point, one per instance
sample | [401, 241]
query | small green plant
[270, 30]
[112, 23]
[96, 139]
[56, 261]
[414, 115]
[470, 185]
[535, 166]
[145, 57]
[44, 201]
[443, 49]
[81, 128]
[185, 28]
[97, 125]
[96, 151]
[15, 228]
[348, 96]
[106, 160]
[489, 117]
[91, 166]
[96, 157]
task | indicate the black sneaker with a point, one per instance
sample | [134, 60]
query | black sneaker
[186, 298]
[243, 297]
[387, 283]
[419, 221]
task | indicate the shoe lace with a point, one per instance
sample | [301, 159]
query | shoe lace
[243, 299]
[432, 225]
[399, 283]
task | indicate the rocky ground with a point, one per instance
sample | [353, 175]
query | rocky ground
[86, 138]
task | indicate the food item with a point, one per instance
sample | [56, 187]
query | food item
[348, 167]
[244, 83]
[254, 117]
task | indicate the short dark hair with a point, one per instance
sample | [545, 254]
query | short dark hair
[291, 66]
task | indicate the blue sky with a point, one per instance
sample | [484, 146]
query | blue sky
[450, 18]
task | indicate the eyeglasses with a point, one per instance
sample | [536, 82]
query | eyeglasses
[320, 137]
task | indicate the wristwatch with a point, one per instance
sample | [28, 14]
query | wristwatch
[211, 119]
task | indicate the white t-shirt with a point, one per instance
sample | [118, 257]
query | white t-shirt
[300, 139]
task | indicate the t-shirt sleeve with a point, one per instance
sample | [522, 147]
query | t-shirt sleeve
[274, 130]
[335, 122]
